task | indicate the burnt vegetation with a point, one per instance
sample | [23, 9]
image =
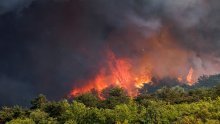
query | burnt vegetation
[178, 104]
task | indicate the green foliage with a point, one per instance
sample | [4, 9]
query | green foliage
[217, 90]
[41, 117]
[38, 102]
[167, 105]
[207, 111]
[114, 96]
[202, 93]
[129, 113]
[21, 121]
[70, 122]
[94, 115]
[88, 99]
[7, 114]
[38, 115]
[171, 95]
[208, 81]
[74, 113]
[54, 109]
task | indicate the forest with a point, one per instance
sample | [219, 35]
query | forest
[161, 104]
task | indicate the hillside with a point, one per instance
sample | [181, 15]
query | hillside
[165, 105]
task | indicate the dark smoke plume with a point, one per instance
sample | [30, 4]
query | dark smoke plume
[46, 46]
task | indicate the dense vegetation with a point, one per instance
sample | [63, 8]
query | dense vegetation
[173, 104]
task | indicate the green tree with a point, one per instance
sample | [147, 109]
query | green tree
[38, 102]
[171, 95]
[217, 90]
[55, 109]
[70, 122]
[94, 115]
[7, 114]
[21, 121]
[201, 93]
[89, 99]
[208, 81]
[127, 113]
[114, 96]
[38, 115]
[189, 120]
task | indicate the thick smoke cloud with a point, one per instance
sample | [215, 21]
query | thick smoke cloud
[11, 5]
[47, 46]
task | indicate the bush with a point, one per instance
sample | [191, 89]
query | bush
[166, 105]
[21, 121]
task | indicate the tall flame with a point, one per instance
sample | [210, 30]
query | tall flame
[190, 77]
[157, 56]
[118, 73]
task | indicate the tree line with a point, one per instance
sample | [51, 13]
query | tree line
[165, 105]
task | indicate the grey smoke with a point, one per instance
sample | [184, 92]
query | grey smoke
[11, 5]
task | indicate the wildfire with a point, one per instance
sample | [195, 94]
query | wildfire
[180, 79]
[190, 77]
[118, 73]
[98, 83]
[160, 57]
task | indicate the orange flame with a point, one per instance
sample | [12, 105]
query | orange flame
[120, 74]
[190, 77]
[180, 79]
[159, 56]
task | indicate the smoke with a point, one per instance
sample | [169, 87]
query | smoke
[53, 44]
[16, 89]
[11, 5]
[185, 13]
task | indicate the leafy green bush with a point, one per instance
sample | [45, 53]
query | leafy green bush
[166, 105]
[21, 121]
